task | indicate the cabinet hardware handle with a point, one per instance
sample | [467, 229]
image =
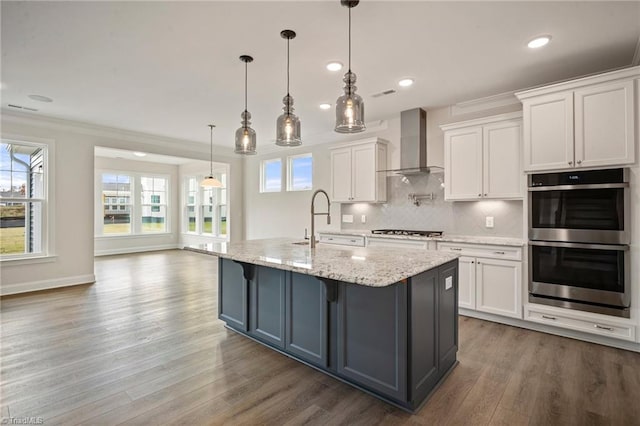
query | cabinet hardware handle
[548, 317]
[478, 262]
[570, 162]
[353, 241]
[498, 252]
[472, 262]
[479, 195]
[485, 195]
[330, 239]
[579, 161]
[602, 327]
[455, 249]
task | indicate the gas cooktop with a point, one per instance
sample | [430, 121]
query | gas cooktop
[407, 232]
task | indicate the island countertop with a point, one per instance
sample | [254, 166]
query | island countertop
[371, 266]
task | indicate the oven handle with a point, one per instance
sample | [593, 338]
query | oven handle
[570, 187]
[579, 245]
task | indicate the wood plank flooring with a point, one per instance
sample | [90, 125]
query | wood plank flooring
[143, 346]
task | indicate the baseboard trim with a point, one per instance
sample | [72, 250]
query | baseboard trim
[600, 340]
[128, 250]
[26, 287]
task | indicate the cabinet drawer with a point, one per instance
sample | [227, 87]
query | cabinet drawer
[393, 242]
[493, 252]
[345, 240]
[602, 328]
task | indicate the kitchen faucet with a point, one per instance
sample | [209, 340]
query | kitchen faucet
[312, 240]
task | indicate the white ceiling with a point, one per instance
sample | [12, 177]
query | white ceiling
[101, 151]
[171, 68]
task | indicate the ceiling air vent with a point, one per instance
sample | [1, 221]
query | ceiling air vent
[21, 107]
[384, 93]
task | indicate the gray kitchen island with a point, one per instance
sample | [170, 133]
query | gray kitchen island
[384, 320]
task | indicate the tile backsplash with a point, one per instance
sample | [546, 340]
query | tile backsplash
[460, 217]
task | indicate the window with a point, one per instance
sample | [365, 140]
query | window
[271, 175]
[23, 198]
[300, 172]
[132, 204]
[206, 208]
[116, 193]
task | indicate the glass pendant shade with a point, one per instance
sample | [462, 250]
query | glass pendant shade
[245, 136]
[349, 108]
[288, 125]
[210, 181]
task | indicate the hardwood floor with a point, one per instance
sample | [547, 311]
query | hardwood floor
[143, 346]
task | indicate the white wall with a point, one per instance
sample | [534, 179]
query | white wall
[73, 198]
[115, 244]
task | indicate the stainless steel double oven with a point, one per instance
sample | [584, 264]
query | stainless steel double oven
[579, 240]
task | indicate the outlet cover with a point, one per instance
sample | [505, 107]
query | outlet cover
[347, 218]
[489, 221]
[363, 218]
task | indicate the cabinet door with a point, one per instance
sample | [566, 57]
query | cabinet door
[605, 120]
[372, 337]
[548, 132]
[467, 282]
[267, 303]
[463, 164]
[447, 315]
[232, 294]
[341, 175]
[306, 318]
[498, 285]
[502, 171]
[363, 166]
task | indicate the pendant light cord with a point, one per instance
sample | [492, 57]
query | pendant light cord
[245, 94]
[211, 126]
[288, 66]
[349, 39]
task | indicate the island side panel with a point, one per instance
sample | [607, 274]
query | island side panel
[423, 331]
[267, 305]
[232, 294]
[447, 315]
[306, 319]
[372, 337]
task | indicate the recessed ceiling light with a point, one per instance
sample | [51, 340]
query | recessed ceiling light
[406, 82]
[539, 42]
[40, 98]
[325, 106]
[334, 66]
[140, 154]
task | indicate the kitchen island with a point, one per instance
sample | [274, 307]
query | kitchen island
[381, 319]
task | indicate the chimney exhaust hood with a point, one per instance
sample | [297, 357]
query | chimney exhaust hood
[413, 144]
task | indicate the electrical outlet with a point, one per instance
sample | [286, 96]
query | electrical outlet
[363, 218]
[489, 221]
[347, 218]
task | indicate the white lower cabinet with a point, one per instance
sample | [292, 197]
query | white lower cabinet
[342, 239]
[401, 243]
[581, 321]
[489, 278]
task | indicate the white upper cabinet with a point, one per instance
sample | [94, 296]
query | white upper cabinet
[589, 122]
[355, 176]
[483, 158]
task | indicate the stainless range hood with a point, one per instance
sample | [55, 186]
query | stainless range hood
[413, 144]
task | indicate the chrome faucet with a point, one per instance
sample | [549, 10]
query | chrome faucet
[312, 239]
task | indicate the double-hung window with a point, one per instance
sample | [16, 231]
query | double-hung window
[154, 204]
[205, 207]
[23, 199]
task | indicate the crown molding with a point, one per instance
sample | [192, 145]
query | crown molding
[83, 128]
[486, 103]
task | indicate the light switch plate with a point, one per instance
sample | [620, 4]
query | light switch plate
[489, 221]
[448, 283]
[363, 218]
[347, 218]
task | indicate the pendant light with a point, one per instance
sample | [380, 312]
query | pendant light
[349, 107]
[288, 124]
[245, 135]
[210, 181]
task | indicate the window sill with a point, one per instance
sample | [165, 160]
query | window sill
[28, 260]
[125, 236]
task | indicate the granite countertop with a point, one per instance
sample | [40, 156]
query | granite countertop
[372, 266]
[449, 238]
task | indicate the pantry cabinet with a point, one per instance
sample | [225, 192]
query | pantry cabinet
[483, 158]
[355, 176]
[589, 122]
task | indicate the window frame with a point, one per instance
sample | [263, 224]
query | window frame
[47, 204]
[290, 160]
[135, 203]
[263, 178]
[201, 202]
